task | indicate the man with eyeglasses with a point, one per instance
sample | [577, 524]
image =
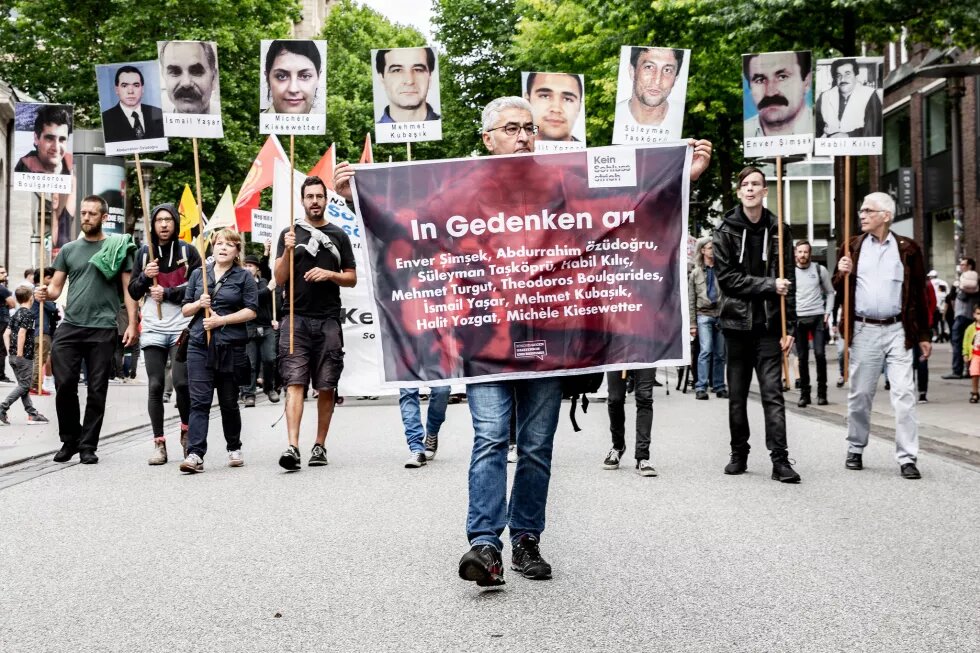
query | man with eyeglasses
[849, 108]
[323, 261]
[508, 128]
[888, 316]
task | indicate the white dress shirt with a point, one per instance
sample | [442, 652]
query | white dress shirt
[880, 275]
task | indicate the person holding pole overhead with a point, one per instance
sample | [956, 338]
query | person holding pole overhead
[323, 261]
[746, 249]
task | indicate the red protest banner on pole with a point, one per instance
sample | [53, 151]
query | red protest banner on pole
[367, 154]
[324, 168]
[260, 176]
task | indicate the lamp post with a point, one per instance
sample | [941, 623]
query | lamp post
[955, 90]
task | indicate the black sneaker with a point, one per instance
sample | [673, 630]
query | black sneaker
[289, 460]
[88, 458]
[318, 456]
[431, 446]
[483, 565]
[782, 470]
[612, 460]
[65, 454]
[3, 418]
[738, 463]
[527, 561]
[701, 395]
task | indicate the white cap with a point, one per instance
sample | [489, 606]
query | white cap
[932, 274]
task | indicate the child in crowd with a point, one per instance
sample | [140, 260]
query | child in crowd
[971, 353]
[22, 357]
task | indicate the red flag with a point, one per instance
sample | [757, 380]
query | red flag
[367, 155]
[259, 177]
[324, 168]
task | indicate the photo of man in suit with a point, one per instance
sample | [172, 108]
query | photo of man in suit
[130, 119]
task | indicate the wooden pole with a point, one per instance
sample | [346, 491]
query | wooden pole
[146, 223]
[292, 231]
[200, 241]
[848, 206]
[40, 309]
[782, 272]
[408, 146]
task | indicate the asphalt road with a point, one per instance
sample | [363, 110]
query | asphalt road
[361, 555]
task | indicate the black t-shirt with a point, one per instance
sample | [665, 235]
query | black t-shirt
[319, 299]
[4, 310]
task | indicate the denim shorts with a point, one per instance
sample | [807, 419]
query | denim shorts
[155, 339]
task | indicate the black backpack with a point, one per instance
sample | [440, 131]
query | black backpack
[573, 387]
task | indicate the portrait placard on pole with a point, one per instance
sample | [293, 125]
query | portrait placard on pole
[42, 147]
[650, 94]
[293, 87]
[778, 103]
[130, 101]
[848, 107]
[558, 106]
[406, 95]
[191, 94]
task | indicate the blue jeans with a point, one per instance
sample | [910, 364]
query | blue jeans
[537, 402]
[408, 401]
[712, 343]
[203, 382]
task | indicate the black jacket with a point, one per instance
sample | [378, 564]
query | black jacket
[116, 127]
[747, 278]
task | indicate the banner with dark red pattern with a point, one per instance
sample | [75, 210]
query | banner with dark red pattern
[507, 267]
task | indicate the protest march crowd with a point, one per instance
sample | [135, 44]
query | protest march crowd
[216, 321]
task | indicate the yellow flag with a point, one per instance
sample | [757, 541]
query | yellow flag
[190, 217]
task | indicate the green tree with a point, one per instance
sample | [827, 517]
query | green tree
[51, 48]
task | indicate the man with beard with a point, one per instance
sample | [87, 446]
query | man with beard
[88, 332]
[814, 305]
[653, 72]
[323, 261]
[161, 283]
[131, 119]
[190, 74]
[52, 128]
[406, 74]
[851, 109]
[779, 82]
[556, 99]
[508, 128]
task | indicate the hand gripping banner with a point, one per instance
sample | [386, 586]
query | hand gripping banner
[508, 267]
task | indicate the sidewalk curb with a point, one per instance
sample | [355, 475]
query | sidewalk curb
[168, 421]
[933, 439]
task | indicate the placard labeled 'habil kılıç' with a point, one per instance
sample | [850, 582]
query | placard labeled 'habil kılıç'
[848, 107]
[191, 94]
[293, 87]
[518, 266]
[778, 103]
[406, 95]
[42, 147]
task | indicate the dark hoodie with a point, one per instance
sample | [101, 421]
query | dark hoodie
[747, 264]
[176, 259]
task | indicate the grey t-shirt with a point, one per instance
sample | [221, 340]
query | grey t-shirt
[93, 300]
[814, 291]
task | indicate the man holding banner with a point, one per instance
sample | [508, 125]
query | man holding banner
[313, 346]
[535, 397]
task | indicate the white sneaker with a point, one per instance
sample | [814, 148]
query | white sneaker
[192, 464]
[645, 468]
[417, 459]
[512, 453]
[235, 458]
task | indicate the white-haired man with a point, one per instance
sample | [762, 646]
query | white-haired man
[508, 128]
[888, 316]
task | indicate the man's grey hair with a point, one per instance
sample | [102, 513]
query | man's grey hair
[492, 111]
[884, 201]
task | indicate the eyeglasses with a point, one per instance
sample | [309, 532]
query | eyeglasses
[869, 211]
[512, 129]
[162, 219]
